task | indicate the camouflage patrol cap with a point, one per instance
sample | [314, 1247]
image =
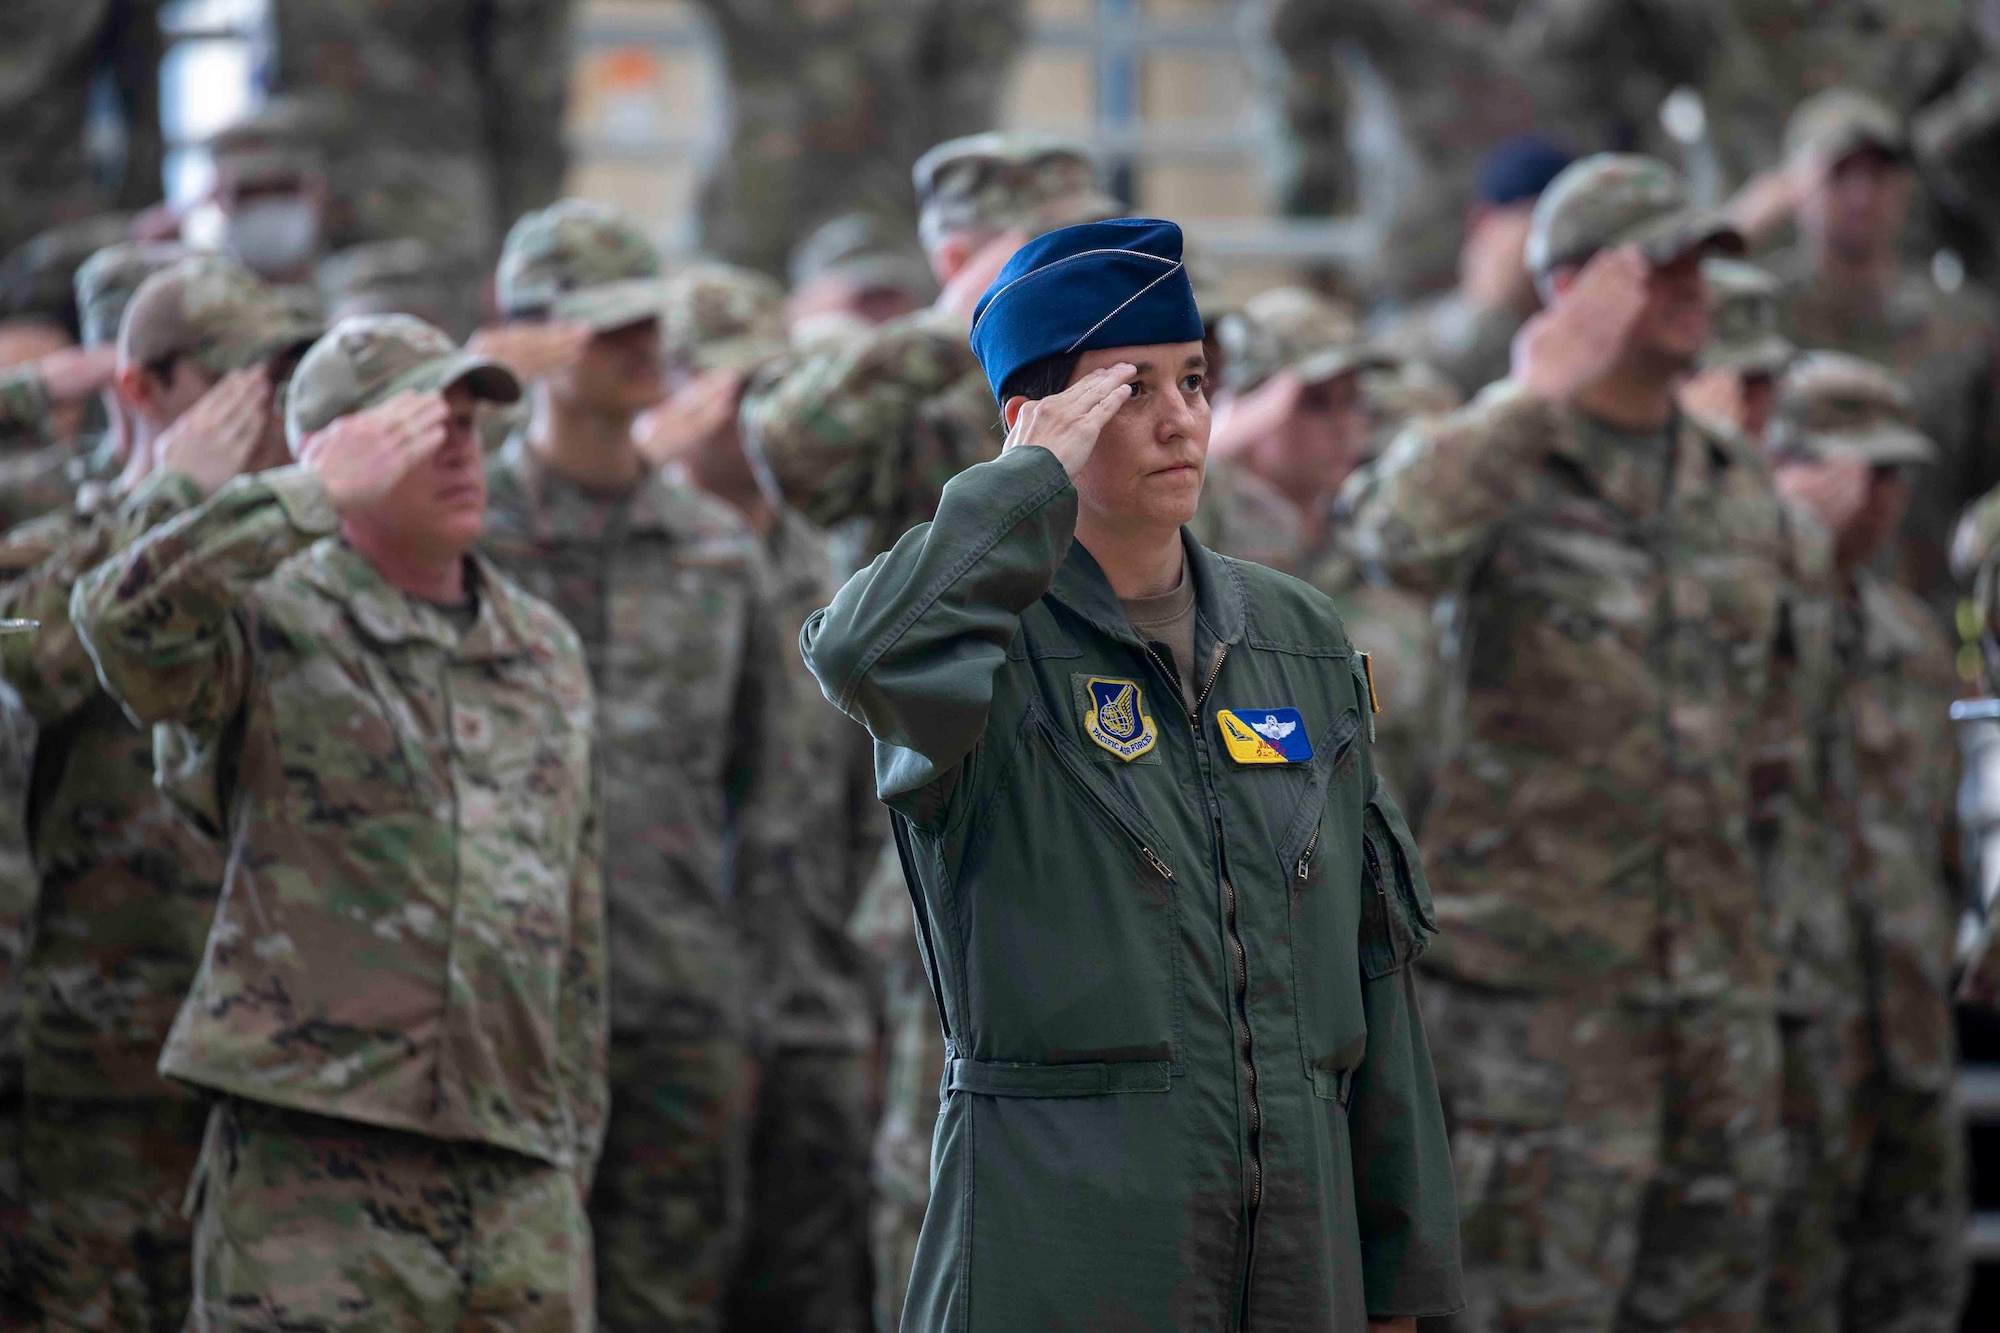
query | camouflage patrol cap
[1291, 328]
[865, 250]
[109, 280]
[1614, 199]
[1002, 179]
[1832, 405]
[1833, 124]
[1407, 391]
[582, 261]
[213, 310]
[406, 276]
[38, 280]
[1743, 319]
[369, 359]
[277, 142]
[721, 317]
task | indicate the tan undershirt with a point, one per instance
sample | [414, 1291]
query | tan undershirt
[1169, 619]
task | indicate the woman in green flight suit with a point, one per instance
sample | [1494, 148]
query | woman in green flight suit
[1167, 909]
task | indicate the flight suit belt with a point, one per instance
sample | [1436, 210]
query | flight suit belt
[1000, 1079]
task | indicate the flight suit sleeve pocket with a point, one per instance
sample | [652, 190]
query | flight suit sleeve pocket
[1397, 919]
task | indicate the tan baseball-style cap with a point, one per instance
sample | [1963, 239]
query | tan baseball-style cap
[867, 251]
[1002, 179]
[579, 261]
[404, 276]
[110, 278]
[369, 359]
[1832, 405]
[1841, 121]
[1291, 328]
[721, 317]
[213, 310]
[1743, 319]
[1614, 199]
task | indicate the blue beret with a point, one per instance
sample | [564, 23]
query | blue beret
[1519, 170]
[1078, 289]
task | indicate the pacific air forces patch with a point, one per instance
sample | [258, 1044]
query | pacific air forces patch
[1264, 735]
[1115, 717]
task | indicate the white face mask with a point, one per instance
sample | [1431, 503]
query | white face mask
[273, 236]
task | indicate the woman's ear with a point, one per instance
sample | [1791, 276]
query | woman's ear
[1012, 409]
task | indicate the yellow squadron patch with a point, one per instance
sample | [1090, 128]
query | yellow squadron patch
[1116, 719]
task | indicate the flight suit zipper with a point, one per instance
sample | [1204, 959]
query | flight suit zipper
[1239, 956]
[1128, 824]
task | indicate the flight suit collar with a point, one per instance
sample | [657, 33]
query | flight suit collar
[390, 617]
[1081, 586]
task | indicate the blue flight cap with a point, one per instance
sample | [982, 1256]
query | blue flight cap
[1518, 170]
[1078, 289]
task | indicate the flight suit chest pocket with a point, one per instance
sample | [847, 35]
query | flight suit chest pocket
[1397, 919]
[1320, 860]
[1069, 922]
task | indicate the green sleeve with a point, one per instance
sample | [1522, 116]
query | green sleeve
[1404, 1198]
[162, 621]
[832, 431]
[1432, 501]
[910, 647]
[49, 668]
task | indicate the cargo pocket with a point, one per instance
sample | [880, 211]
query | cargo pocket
[1397, 920]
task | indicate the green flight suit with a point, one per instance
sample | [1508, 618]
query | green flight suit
[1186, 1083]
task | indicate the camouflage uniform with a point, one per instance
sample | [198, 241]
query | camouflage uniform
[860, 437]
[1871, 1234]
[1602, 994]
[805, 1262]
[832, 105]
[49, 53]
[52, 478]
[1243, 515]
[673, 602]
[125, 889]
[805, 1258]
[445, 117]
[402, 997]
[1944, 345]
[38, 284]
[1772, 55]
[1455, 78]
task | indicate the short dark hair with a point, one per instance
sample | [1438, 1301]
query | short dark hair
[1041, 379]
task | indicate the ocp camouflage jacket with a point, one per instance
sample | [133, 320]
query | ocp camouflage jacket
[410, 932]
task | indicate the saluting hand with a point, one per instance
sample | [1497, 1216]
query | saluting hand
[1068, 424]
[532, 349]
[215, 439]
[361, 457]
[77, 372]
[689, 418]
[1571, 345]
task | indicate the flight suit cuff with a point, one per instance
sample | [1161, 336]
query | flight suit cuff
[303, 497]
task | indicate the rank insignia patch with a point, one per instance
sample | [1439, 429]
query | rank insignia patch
[1116, 718]
[1264, 735]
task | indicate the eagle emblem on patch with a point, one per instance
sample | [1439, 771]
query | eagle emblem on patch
[1116, 719]
[1264, 735]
